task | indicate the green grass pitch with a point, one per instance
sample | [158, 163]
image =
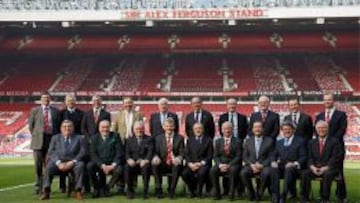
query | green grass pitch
[19, 171]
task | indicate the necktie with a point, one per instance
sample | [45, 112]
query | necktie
[67, 145]
[168, 151]
[227, 147]
[321, 146]
[286, 142]
[232, 119]
[96, 115]
[139, 141]
[198, 141]
[327, 116]
[196, 116]
[46, 121]
[294, 119]
[263, 116]
[257, 147]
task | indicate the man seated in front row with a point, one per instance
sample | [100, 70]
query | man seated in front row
[227, 158]
[139, 152]
[288, 159]
[107, 157]
[66, 151]
[324, 160]
[257, 156]
[198, 156]
[168, 157]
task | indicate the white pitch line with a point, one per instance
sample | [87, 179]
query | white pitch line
[15, 187]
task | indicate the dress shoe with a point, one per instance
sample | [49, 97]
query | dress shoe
[45, 196]
[159, 193]
[79, 195]
[96, 194]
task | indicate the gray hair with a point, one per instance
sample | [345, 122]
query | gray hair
[163, 100]
[322, 123]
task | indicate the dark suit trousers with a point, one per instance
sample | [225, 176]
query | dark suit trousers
[232, 174]
[246, 175]
[289, 175]
[39, 162]
[325, 184]
[77, 170]
[163, 169]
[99, 178]
[132, 172]
[195, 180]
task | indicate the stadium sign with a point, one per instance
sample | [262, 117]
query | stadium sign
[140, 10]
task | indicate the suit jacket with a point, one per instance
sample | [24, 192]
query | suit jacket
[271, 125]
[235, 155]
[156, 126]
[198, 153]
[296, 151]
[106, 151]
[88, 125]
[160, 146]
[304, 126]
[337, 124]
[57, 151]
[119, 124]
[75, 117]
[36, 125]
[331, 155]
[206, 119]
[265, 152]
[241, 123]
[143, 151]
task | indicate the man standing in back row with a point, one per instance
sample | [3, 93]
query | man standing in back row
[199, 115]
[269, 119]
[337, 121]
[44, 122]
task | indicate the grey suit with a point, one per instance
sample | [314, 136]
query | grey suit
[60, 153]
[40, 140]
[264, 158]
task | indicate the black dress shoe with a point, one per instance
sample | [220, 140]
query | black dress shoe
[130, 195]
[217, 197]
[192, 195]
[121, 191]
[159, 193]
[146, 195]
[63, 190]
[96, 194]
[172, 195]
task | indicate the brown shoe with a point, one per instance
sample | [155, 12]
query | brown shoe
[79, 196]
[45, 196]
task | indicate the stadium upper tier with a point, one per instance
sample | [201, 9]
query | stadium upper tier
[264, 42]
[164, 75]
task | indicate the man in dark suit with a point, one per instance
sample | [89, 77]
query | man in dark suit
[106, 157]
[92, 118]
[70, 112]
[168, 157]
[269, 119]
[198, 157]
[157, 119]
[238, 120]
[44, 122]
[337, 121]
[257, 156]
[324, 160]
[288, 159]
[66, 154]
[302, 121]
[139, 152]
[201, 116]
[228, 159]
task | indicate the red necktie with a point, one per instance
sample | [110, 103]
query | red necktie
[227, 147]
[96, 116]
[321, 146]
[327, 116]
[168, 151]
[263, 116]
[46, 121]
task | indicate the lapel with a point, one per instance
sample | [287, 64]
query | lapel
[163, 146]
[52, 112]
[203, 117]
[317, 148]
[301, 119]
[202, 145]
[333, 117]
[262, 145]
[222, 145]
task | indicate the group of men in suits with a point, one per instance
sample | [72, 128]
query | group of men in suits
[88, 146]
